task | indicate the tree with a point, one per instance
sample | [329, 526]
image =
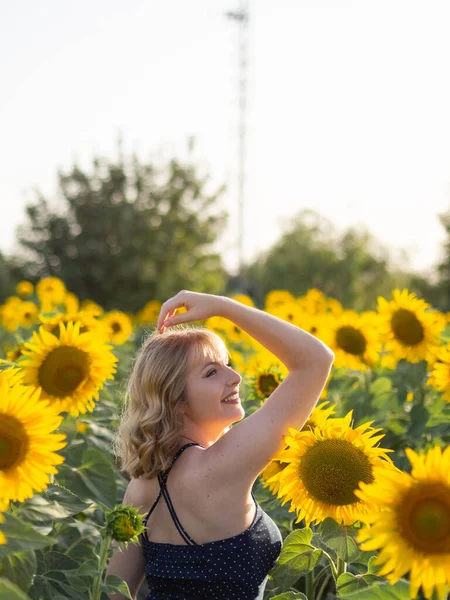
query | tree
[350, 267]
[10, 275]
[439, 291]
[127, 233]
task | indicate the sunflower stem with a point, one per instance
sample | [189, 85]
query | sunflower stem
[105, 543]
[368, 380]
[309, 585]
[332, 565]
[341, 566]
[319, 594]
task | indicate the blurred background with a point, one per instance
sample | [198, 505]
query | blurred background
[226, 147]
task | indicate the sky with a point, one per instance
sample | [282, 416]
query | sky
[348, 108]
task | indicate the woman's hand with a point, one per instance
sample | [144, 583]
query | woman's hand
[198, 307]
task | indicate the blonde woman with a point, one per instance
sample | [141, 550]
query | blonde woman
[206, 537]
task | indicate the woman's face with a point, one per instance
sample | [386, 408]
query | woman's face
[209, 382]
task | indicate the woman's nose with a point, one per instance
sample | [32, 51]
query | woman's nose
[235, 377]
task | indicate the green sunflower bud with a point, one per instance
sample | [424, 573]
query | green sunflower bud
[123, 523]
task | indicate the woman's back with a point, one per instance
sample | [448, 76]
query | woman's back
[207, 514]
[206, 545]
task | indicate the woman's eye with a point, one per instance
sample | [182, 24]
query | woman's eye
[212, 371]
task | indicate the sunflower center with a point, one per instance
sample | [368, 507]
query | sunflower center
[332, 469]
[13, 442]
[351, 340]
[267, 383]
[116, 327]
[406, 327]
[424, 517]
[63, 370]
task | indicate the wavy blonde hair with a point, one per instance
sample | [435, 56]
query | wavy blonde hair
[151, 422]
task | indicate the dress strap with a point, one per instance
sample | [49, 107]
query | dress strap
[162, 478]
[184, 534]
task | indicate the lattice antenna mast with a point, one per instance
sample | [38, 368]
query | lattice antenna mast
[241, 16]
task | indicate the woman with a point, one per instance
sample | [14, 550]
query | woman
[207, 537]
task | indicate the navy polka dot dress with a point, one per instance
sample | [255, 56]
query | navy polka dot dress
[235, 568]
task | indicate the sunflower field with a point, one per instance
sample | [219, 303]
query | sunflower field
[361, 494]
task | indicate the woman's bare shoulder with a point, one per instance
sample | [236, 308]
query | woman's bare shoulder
[139, 492]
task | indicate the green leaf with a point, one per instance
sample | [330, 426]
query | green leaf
[9, 591]
[347, 582]
[88, 567]
[382, 385]
[419, 418]
[297, 554]
[113, 583]
[381, 591]
[56, 561]
[297, 542]
[19, 568]
[372, 568]
[93, 479]
[55, 504]
[54, 586]
[341, 539]
[290, 596]
[21, 537]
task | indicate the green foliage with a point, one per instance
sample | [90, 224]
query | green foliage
[56, 540]
[10, 275]
[380, 591]
[9, 591]
[125, 233]
[310, 254]
[290, 596]
[341, 539]
[298, 554]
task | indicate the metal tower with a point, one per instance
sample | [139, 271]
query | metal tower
[241, 16]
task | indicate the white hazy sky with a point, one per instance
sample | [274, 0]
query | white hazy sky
[349, 106]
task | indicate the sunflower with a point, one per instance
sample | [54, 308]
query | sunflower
[12, 376]
[319, 415]
[236, 335]
[24, 289]
[14, 353]
[276, 298]
[334, 307]
[27, 313]
[82, 427]
[88, 323]
[71, 303]
[91, 306]
[271, 475]
[354, 339]
[150, 313]
[3, 507]
[314, 302]
[118, 326]
[68, 370]
[51, 291]
[27, 442]
[288, 311]
[325, 467]
[412, 531]
[9, 314]
[237, 361]
[409, 329]
[265, 381]
[243, 299]
[440, 372]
